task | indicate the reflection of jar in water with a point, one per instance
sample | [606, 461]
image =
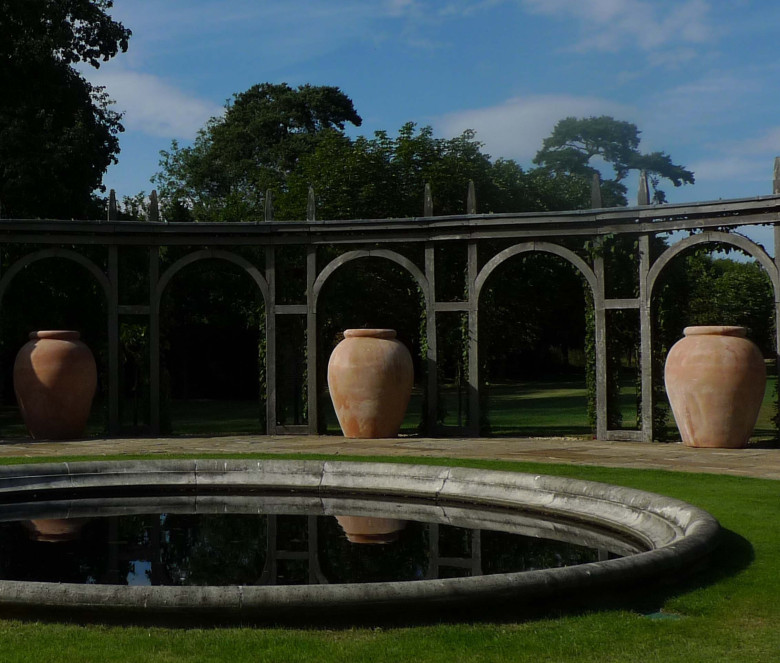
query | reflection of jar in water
[55, 530]
[370, 529]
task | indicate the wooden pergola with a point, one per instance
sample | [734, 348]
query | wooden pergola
[487, 239]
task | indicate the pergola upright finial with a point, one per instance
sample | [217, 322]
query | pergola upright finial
[311, 205]
[471, 199]
[428, 201]
[643, 197]
[595, 192]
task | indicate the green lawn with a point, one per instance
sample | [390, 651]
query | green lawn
[552, 407]
[726, 612]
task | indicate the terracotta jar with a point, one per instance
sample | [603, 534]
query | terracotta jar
[370, 377]
[715, 379]
[55, 379]
[368, 529]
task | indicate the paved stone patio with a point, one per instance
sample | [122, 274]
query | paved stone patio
[750, 462]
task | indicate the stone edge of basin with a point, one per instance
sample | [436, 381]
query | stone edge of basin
[676, 534]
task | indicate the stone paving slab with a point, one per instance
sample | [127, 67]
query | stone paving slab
[750, 462]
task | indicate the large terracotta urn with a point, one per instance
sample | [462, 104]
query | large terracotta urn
[55, 379]
[370, 529]
[370, 378]
[715, 379]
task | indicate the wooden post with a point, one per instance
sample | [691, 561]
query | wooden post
[473, 270]
[270, 339]
[154, 207]
[112, 209]
[154, 341]
[776, 177]
[431, 359]
[427, 200]
[311, 206]
[113, 341]
[595, 192]
[600, 333]
[646, 340]
[311, 339]
[643, 195]
[471, 199]
[776, 191]
[268, 205]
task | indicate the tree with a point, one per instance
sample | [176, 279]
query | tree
[254, 146]
[576, 142]
[58, 134]
[385, 176]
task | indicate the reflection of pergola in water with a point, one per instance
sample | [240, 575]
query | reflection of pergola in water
[488, 241]
[150, 551]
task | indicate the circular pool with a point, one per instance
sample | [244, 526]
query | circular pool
[639, 537]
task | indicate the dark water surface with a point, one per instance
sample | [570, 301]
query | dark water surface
[282, 540]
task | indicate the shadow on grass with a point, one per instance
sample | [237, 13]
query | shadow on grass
[733, 555]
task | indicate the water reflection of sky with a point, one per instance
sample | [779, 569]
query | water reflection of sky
[140, 574]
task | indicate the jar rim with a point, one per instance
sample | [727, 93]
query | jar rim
[369, 333]
[57, 334]
[716, 330]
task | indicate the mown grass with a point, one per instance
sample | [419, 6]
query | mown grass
[727, 611]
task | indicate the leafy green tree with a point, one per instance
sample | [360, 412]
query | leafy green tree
[722, 291]
[385, 176]
[58, 134]
[254, 146]
[576, 142]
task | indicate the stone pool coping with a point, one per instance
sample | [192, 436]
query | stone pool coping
[678, 535]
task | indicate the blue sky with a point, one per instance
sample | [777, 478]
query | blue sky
[698, 77]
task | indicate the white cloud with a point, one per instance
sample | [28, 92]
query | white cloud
[747, 161]
[610, 25]
[768, 143]
[515, 129]
[153, 106]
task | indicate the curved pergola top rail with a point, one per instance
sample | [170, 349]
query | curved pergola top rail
[488, 241]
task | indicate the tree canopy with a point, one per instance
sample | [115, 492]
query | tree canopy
[576, 142]
[254, 146]
[385, 176]
[58, 133]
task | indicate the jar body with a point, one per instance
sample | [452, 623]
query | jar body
[715, 379]
[370, 378]
[55, 378]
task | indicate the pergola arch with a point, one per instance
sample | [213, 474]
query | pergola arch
[55, 252]
[711, 237]
[350, 256]
[528, 247]
[470, 233]
[205, 254]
